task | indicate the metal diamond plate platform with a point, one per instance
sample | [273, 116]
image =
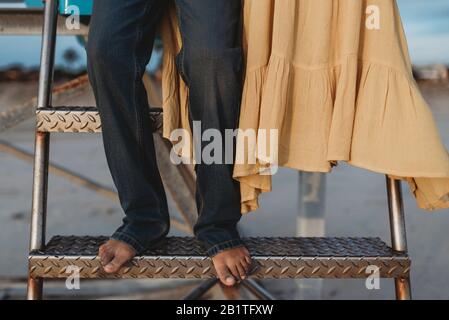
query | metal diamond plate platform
[79, 119]
[185, 258]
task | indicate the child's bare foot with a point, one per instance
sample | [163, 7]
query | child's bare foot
[232, 265]
[114, 254]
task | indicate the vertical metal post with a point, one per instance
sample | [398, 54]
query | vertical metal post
[398, 232]
[42, 142]
[311, 223]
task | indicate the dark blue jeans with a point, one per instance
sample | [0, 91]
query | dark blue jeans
[119, 48]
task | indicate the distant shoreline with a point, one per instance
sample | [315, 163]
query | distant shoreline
[24, 74]
[19, 74]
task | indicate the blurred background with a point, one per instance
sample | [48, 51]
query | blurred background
[353, 200]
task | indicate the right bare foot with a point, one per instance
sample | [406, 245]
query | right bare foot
[114, 254]
[232, 265]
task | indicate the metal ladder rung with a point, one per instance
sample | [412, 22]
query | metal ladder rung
[79, 119]
[276, 258]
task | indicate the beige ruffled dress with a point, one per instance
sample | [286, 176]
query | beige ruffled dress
[335, 79]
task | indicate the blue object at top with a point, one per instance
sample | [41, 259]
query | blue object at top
[84, 6]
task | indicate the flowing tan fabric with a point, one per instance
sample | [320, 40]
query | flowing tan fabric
[335, 90]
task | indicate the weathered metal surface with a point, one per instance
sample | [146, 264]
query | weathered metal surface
[68, 119]
[185, 258]
[79, 119]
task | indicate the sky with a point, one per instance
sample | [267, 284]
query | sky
[426, 23]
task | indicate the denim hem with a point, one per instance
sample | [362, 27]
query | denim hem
[224, 246]
[129, 240]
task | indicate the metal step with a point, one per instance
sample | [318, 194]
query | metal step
[79, 119]
[185, 258]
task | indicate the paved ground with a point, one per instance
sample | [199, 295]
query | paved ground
[356, 206]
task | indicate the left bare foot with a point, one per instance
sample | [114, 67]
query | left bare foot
[232, 265]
